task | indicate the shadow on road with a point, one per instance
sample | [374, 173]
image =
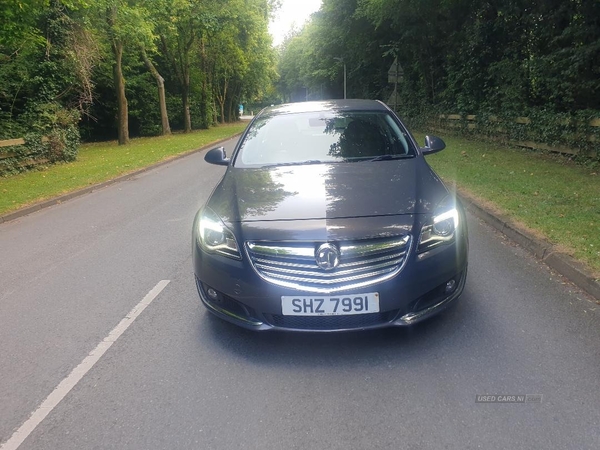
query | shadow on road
[437, 337]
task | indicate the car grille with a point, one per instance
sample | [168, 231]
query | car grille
[361, 263]
[331, 322]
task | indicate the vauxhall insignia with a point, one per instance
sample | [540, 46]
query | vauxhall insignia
[303, 221]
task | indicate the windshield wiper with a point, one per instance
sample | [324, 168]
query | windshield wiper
[390, 157]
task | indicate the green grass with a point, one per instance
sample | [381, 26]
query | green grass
[549, 195]
[100, 162]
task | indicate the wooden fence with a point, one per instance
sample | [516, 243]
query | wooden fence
[30, 162]
[458, 121]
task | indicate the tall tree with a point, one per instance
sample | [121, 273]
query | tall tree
[116, 40]
[162, 100]
[180, 26]
[124, 24]
[241, 54]
[65, 53]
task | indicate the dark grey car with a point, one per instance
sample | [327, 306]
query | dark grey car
[328, 218]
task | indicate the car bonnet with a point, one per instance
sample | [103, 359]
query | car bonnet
[327, 191]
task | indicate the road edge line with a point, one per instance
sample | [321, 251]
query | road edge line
[68, 383]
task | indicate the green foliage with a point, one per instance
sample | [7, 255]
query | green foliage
[240, 56]
[144, 116]
[63, 52]
[18, 24]
[54, 138]
[311, 63]
[495, 60]
[505, 59]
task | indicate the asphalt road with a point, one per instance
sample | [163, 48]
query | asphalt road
[178, 378]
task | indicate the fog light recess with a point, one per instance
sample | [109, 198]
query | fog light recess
[450, 286]
[212, 293]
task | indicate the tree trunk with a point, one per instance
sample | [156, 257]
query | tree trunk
[185, 95]
[160, 82]
[119, 81]
[222, 100]
[233, 104]
[204, 96]
[123, 119]
[230, 110]
[181, 65]
[185, 101]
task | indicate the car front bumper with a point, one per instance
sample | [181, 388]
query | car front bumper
[418, 292]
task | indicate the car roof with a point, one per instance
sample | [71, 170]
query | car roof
[325, 106]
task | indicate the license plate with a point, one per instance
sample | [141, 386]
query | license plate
[339, 305]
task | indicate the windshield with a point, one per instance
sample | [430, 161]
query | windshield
[316, 137]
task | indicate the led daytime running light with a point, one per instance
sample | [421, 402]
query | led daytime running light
[452, 214]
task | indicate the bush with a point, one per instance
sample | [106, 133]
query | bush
[54, 138]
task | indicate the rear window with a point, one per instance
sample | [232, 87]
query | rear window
[322, 137]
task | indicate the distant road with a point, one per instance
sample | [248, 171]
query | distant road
[75, 278]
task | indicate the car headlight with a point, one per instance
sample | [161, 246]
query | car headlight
[440, 230]
[215, 237]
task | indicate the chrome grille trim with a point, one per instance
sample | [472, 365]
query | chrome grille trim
[321, 274]
[329, 282]
[366, 249]
[258, 261]
[283, 252]
[362, 263]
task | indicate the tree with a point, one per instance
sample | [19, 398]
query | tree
[181, 24]
[107, 58]
[242, 60]
[162, 101]
[116, 38]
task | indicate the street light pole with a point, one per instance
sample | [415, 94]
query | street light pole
[337, 58]
[344, 80]
[396, 87]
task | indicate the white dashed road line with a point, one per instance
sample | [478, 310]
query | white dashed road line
[79, 372]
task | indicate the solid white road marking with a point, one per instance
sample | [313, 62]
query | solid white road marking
[79, 372]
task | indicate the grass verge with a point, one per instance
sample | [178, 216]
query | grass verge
[546, 194]
[103, 161]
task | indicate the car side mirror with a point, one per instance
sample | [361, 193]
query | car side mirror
[433, 144]
[217, 156]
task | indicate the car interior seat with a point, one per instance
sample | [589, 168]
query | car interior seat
[362, 139]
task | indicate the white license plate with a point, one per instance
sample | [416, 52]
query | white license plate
[337, 305]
